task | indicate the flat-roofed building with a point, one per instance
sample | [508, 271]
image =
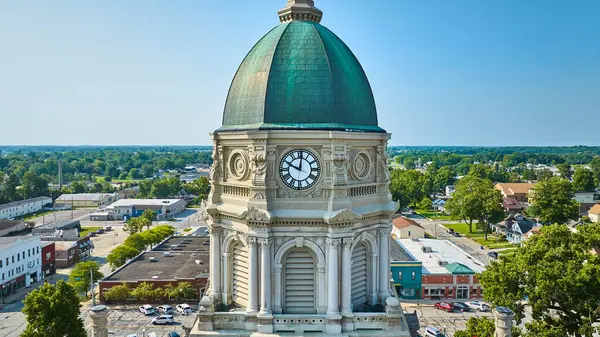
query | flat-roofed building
[132, 208]
[177, 259]
[11, 226]
[20, 262]
[448, 272]
[23, 207]
[88, 199]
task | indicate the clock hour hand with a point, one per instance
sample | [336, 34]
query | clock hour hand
[296, 167]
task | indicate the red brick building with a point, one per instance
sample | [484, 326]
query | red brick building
[48, 258]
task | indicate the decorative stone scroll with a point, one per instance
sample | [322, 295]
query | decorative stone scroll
[343, 215]
[334, 242]
[259, 173]
[255, 214]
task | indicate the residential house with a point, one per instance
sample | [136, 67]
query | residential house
[439, 205]
[405, 228]
[449, 190]
[515, 195]
[517, 226]
[594, 213]
[586, 200]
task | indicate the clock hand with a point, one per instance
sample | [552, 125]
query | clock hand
[296, 167]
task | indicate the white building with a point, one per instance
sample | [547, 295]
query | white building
[23, 207]
[300, 210]
[88, 199]
[131, 208]
[20, 262]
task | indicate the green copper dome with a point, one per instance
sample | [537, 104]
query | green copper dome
[300, 76]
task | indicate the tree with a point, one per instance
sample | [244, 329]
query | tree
[565, 170]
[117, 293]
[150, 238]
[134, 174]
[425, 203]
[136, 241]
[199, 187]
[559, 274]
[543, 174]
[33, 186]
[80, 277]
[53, 310]
[529, 175]
[475, 199]
[120, 255]
[163, 231]
[482, 327]
[552, 201]
[150, 215]
[408, 186]
[481, 171]
[445, 176]
[146, 292]
[584, 180]
[595, 166]
[133, 225]
[183, 291]
[77, 187]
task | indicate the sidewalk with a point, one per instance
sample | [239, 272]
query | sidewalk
[20, 294]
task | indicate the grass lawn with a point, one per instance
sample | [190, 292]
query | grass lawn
[477, 236]
[85, 230]
[431, 214]
[508, 251]
[187, 230]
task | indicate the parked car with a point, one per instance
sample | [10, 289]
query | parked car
[456, 234]
[173, 334]
[162, 319]
[100, 231]
[446, 306]
[107, 228]
[184, 309]
[493, 255]
[450, 231]
[90, 234]
[165, 309]
[433, 332]
[478, 306]
[462, 306]
[147, 309]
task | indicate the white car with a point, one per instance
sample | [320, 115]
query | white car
[184, 309]
[433, 332]
[163, 319]
[478, 306]
[165, 309]
[147, 309]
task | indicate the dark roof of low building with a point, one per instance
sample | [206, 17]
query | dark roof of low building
[5, 224]
[155, 266]
[397, 253]
[57, 225]
[184, 244]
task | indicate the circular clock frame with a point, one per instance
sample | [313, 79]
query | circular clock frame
[299, 169]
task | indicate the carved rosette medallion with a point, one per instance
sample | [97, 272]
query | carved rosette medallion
[361, 165]
[238, 165]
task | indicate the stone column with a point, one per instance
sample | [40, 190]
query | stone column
[265, 276]
[99, 316]
[215, 261]
[252, 275]
[277, 305]
[333, 279]
[384, 263]
[346, 304]
[226, 262]
[503, 319]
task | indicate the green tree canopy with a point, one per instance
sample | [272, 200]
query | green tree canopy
[121, 254]
[53, 311]
[584, 180]
[408, 187]
[558, 273]
[77, 187]
[552, 201]
[120, 292]
[134, 225]
[565, 170]
[80, 276]
[146, 291]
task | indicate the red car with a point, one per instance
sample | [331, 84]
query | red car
[444, 306]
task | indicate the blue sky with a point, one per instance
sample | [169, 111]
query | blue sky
[465, 72]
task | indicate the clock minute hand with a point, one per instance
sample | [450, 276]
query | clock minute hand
[296, 167]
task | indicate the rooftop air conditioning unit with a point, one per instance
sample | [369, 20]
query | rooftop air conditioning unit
[426, 249]
[166, 254]
[442, 263]
[414, 239]
[153, 259]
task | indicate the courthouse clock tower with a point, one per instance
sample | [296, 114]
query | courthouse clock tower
[300, 211]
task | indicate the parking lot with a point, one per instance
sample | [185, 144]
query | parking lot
[448, 322]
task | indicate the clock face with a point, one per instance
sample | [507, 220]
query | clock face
[299, 169]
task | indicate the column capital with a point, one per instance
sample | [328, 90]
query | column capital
[264, 242]
[250, 239]
[215, 230]
[386, 231]
[347, 242]
[334, 242]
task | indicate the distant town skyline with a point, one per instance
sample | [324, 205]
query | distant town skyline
[157, 73]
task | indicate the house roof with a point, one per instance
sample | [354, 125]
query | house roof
[459, 268]
[402, 222]
[515, 188]
[516, 219]
[85, 196]
[595, 209]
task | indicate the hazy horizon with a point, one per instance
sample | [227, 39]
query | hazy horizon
[468, 73]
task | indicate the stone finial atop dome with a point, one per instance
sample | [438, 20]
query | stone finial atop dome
[301, 10]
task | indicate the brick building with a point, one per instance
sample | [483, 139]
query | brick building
[448, 272]
[177, 259]
[48, 258]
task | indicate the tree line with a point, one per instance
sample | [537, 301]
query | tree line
[147, 292]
